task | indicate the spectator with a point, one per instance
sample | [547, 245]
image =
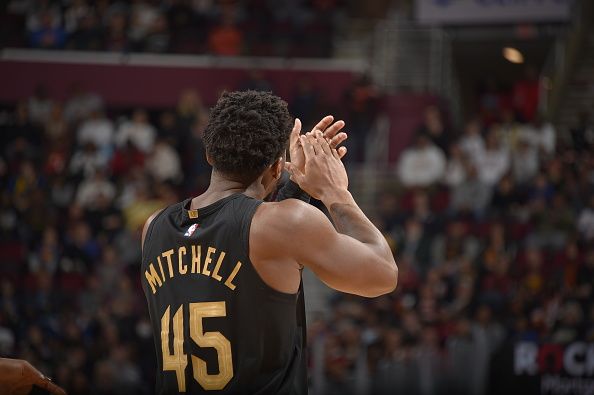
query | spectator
[472, 195]
[74, 14]
[494, 162]
[585, 222]
[40, 105]
[455, 172]
[361, 102]
[93, 189]
[142, 19]
[225, 39]
[116, 38]
[164, 163]
[190, 110]
[56, 128]
[472, 143]
[158, 38]
[421, 165]
[545, 136]
[99, 131]
[582, 135]
[525, 160]
[87, 161]
[81, 104]
[433, 127]
[138, 131]
[526, 94]
[48, 35]
[88, 34]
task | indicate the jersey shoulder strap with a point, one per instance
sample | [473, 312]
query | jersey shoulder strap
[243, 211]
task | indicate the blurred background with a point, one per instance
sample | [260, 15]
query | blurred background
[471, 146]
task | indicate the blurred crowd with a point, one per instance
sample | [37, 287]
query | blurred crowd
[77, 186]
[492, 227]
[297, 28]
[493, 230]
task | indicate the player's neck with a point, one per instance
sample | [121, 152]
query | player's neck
[220, 187]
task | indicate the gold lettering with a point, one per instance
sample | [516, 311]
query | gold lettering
[229, 280]
[152, 278]
[196, 253]
[215, 272]
[205, 271]
[167, 254]
[161, 267]
[183, 269]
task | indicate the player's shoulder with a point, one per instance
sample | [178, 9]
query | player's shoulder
[286, 214]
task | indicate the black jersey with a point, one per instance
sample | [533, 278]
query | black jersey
[218, 328]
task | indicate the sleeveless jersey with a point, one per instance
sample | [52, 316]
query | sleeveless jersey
[218, 328]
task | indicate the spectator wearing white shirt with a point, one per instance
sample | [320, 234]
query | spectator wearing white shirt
[472, 143]
[494, 162]
[455, 172]
[421, 165]
[92, 189]
[164, 163]
[138, 131]
[545, 136]
[97, 130]
[87, 161]
[525, 159]
[585, 222]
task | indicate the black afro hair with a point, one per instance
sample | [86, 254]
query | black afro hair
[246, 133]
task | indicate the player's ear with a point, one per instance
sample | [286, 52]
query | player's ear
[209, 160]
[277, 168]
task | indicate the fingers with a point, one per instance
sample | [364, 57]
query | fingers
[316, 142]
[341, 152]
[324, 123]
[52, 388]
[295, 132]
[335, 154]
[333, 129]
[308, 148]
[323, 143]
[44, 382]
[338, 139]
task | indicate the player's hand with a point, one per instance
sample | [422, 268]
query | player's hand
[330, 131]
[17, 377]
[324, 173]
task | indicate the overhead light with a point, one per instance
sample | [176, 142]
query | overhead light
[513, 55]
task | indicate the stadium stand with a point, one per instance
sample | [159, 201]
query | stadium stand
[491, 222]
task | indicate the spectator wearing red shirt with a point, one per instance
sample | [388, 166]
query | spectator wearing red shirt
[525, 95]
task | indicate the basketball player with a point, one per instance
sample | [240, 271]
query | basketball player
[17, 377]
[222, 271]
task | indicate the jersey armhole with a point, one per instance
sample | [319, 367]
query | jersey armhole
[245, 224]
[151, 226]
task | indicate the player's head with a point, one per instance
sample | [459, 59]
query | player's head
[247, 136]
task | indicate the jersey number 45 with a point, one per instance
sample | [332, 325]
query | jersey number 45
[178, 361]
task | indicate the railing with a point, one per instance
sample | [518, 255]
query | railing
[416, 59]
[562, 59]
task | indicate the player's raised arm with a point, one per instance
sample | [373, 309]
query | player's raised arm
[354, 257]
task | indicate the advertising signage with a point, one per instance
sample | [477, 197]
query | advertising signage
[525, 367]
[460, 12]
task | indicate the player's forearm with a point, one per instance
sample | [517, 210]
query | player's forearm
[350, 220]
